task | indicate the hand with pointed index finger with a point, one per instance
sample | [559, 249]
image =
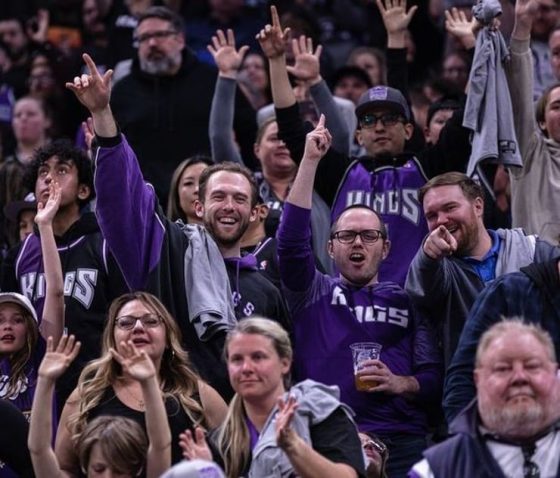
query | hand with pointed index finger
[228, 59]
[317, 142]
[57, 359]
[272, 38]
[93, 90]
[440, 243]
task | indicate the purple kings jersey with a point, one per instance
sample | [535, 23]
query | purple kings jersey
[393, 193]
[329, 315]
[333, 316]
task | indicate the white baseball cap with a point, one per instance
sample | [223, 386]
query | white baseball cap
[21, 300]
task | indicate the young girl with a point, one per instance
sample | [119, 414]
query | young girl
[108, 443]
[22, 338]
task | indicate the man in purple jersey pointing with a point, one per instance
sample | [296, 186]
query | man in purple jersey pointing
[330, 314]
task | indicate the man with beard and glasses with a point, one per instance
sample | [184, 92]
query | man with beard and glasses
[181, 264]
[163, 104]
[459, 255]
[511, 428]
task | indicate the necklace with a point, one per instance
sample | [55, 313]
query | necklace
[139, 401]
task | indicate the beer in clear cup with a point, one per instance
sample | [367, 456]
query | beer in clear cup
[362, 351]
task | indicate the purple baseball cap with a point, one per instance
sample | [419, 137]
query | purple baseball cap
[383, 96]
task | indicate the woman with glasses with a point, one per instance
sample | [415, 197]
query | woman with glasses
[105, 388]
[274, 429]
[376, 455]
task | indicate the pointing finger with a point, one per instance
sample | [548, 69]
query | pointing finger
[91, 65]
[275, 17]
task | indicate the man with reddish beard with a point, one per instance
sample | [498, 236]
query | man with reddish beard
[181, 265]
[512, 427]
[459, 255]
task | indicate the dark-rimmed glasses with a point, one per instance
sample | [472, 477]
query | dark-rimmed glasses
[159, 35]
[128, 322]
[370, 120]
[368, 236]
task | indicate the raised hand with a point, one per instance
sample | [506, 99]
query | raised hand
[57, 360]
[395, 17]
[46, 212]
[134, 362]
[196, 447]
[306, 66]
[317, 142]
[526, 8]
[93, 90]
[456, 24]
[272, 38]
[89, 132]
[42, 21]
[227, 57]
[286, 437]
[440, 243]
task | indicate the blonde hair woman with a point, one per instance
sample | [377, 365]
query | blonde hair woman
[105, 388]
[270, 432]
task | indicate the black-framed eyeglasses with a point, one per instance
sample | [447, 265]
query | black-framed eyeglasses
[128, 322]
[368, 236]
[370, 120]
[159, 35]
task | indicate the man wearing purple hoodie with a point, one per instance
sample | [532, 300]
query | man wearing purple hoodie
[184, 266]
[330, 314]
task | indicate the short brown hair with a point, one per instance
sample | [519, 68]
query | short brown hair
[471, 189]
[382, 226]
[122, 441]
[229, 167]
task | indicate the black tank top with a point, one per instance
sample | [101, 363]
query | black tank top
[176, 416]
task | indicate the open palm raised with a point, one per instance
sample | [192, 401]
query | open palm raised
[57, 360]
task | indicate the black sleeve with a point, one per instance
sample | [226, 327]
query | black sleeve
[245, 126]
[451, 152]
[336, 438]
[292, 130]
[8, 281]
[397, 77]
[397, 70]
[13, 440]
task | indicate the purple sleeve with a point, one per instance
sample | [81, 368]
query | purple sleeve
[427, 362]
[295, 255]
[126, 211]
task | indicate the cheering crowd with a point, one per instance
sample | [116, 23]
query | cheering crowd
[251, 240]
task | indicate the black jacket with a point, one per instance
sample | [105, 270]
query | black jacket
[165, 118]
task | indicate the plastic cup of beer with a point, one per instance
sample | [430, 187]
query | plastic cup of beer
[362, 351]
